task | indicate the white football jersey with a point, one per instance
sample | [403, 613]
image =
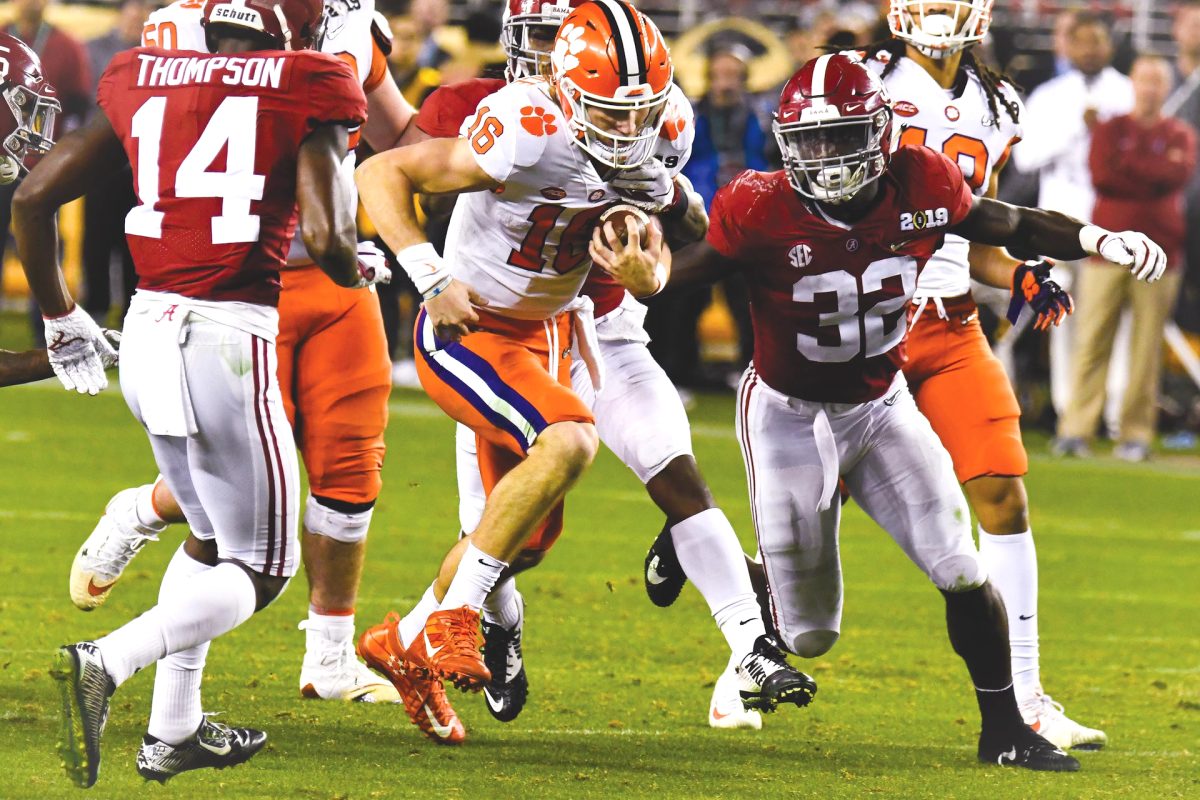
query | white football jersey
[963, 128]
[523, 246]
[347, 32]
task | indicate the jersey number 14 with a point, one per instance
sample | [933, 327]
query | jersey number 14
[234, 123]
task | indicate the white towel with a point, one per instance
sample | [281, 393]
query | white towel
[584, 343]
[827, 453]
[162, 390]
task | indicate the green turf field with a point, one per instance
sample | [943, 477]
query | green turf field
[619, 688]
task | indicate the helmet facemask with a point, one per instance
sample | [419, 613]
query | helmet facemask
[33, 137]
[612, 149]
[527, 40]
[829, 158]
[938, 28]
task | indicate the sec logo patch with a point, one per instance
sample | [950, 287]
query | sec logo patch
[800, 256]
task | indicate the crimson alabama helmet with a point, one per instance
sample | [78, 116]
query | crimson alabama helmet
[940, 27]
[27, 123]
[612, 72]
[289, 24]
[527, 23]
[834, 128]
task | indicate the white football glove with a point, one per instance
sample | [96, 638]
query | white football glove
[1144, 258]
[372, 265]
[78, 351]
[114, 338]
[650, 187]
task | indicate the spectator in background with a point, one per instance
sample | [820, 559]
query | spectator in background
[430, 15]
[1140, 163]
[65, 65]
[415, 81]
[104, 211]
[729, 139]
[1184, 103]
[1058, 121]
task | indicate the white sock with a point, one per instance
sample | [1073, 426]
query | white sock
[322, 631]
[199, 610]
[1012, 564]
[503, 606]
[476, 576]
[413, 622]
[712, 558]
[147, 515]
[175, 712]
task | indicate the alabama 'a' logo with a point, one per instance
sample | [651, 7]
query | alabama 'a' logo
[800, 256]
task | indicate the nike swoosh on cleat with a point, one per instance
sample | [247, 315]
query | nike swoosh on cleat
[96, 591]
[495, 705]
[717, 715]
[430, 650]
[219, 751]
[1011, 755]
[442, 731]
[652, 572]
[746, 621]
[1023, 617]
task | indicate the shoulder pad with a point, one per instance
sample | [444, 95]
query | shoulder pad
[381, 32]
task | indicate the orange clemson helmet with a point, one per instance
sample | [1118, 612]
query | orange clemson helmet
[611, 70]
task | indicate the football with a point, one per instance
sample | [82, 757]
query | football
[622, 216]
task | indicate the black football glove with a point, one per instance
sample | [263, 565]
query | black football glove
[1031, 284]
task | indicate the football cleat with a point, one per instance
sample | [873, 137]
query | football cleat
[1024, 748]
[424, 696]
[767, 679]
[1049, 721]
[330, 671]
[105, 554]
[725, 710]
[663, 576]
[213, 746]
[508, 689]
[85, 686]
[449, 646]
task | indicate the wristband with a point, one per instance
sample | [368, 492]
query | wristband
[1091, 237]
[678, 206]
[436, 290]
[424, 266]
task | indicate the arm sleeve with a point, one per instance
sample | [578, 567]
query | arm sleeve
[509, 130]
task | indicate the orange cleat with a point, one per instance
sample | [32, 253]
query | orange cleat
[423, 694]
[449, 647]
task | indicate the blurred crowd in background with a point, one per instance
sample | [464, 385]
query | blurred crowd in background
[1093, 147]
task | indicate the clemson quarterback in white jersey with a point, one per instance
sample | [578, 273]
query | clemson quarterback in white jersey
[537, 162]
[948, 100]
[639, 415]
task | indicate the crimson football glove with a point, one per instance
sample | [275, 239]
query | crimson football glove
[1031, 284]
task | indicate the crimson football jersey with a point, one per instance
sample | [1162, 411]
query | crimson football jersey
[213, 140]
[828, 299]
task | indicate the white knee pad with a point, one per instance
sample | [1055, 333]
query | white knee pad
[959, 573]
[811, 644]
[339, 526]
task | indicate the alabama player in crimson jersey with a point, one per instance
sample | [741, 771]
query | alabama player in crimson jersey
[549, 151]
[949, 101]
[831, 247]
[638, 415]
[218, 202]
[338, 413]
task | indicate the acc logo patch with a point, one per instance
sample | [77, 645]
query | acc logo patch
[906, 109]
[800, 256]
[596, 196]
[554, 193]
[920, 220]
